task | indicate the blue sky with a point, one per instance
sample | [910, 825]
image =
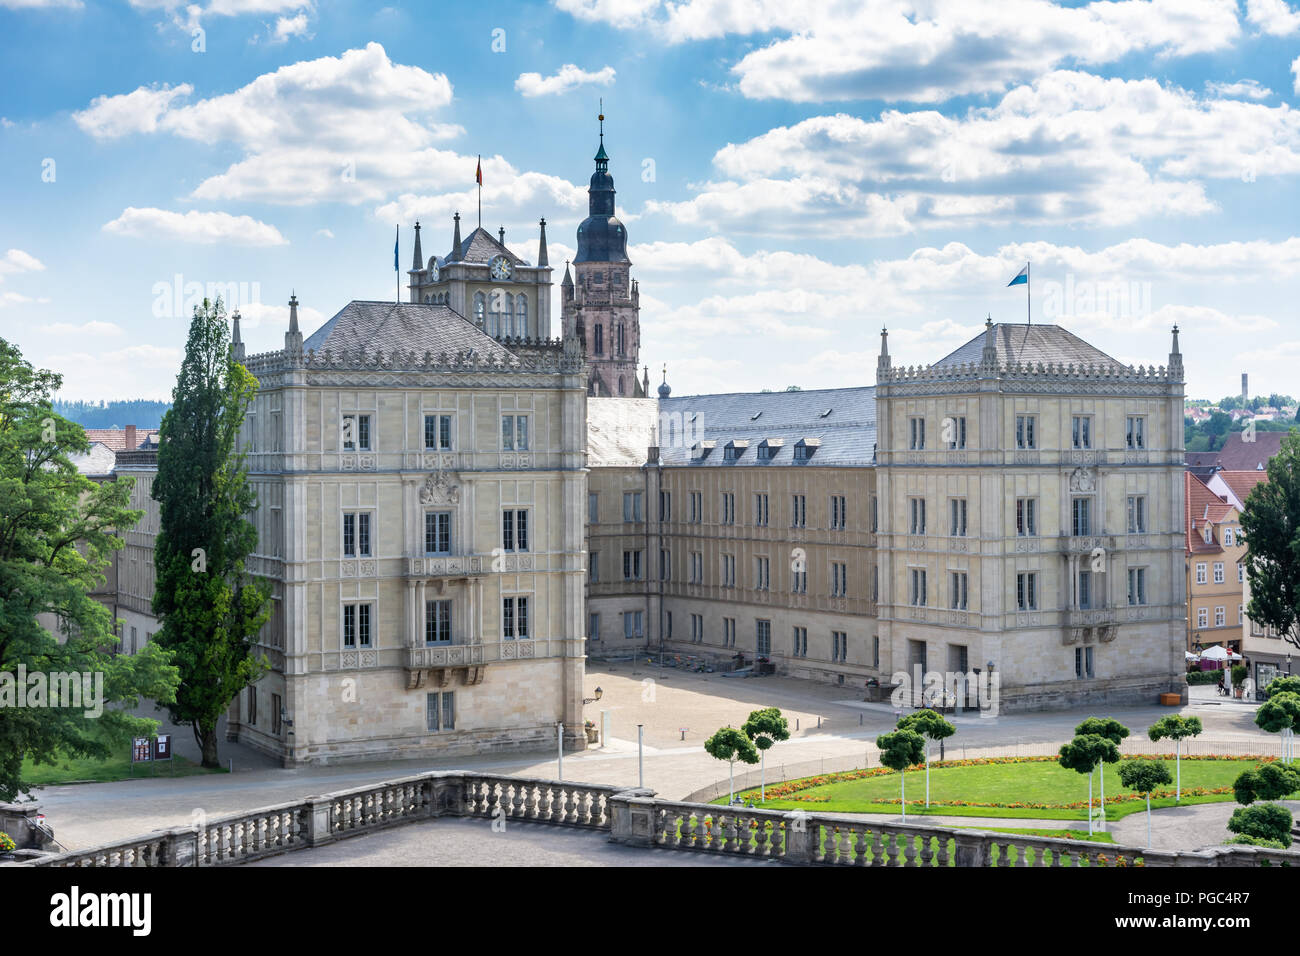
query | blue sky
[793, 176]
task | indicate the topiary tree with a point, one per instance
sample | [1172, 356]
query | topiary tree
[1113, 731]
[899, 750]
[1280, 714]
[1175, 728]
[932, 726]
[1264, 821]
[765, 727]
[1283, 685]
[1142, 776]
[1083, 754]
[730, 744]
[1268, 782]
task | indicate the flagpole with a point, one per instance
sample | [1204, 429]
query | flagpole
[396, 245]
[479, 177]
[1028, 296]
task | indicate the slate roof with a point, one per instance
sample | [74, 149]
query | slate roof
[481, 246]
[1237, 455]
[416, 326]
[619, 430]
[847, 435]
[1031, 343]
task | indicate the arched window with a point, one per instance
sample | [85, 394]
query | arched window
[521, 314]
[480, 310]
[621, 349]
[508, 325]
[599, 348]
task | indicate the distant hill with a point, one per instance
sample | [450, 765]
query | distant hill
[138, 412]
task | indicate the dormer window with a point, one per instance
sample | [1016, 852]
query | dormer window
[700, 450]
[732, 450]
[1209, 534]
[805, 448]
[768, 448]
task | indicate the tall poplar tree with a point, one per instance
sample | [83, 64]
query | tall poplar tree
[211, 608]
[58, 530]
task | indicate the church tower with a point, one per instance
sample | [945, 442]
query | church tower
[600, 304]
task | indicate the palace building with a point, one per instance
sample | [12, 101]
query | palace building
[1015, 507]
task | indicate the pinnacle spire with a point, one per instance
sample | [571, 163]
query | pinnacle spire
[417, 261]
[455, 241]
[541, 248]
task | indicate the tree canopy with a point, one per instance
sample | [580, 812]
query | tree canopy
[900, 749]
[1106, 727]
[1086, 751]
[1144, 775]
[731, 745]
[1270, 525]
[928, 723]
[765, 727]
[1174, 727]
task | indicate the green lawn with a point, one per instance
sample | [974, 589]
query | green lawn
[1040, 789]
[118, 767]
[1054, 834]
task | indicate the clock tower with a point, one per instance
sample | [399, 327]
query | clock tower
[600, 304]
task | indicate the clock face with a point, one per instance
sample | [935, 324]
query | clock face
[434, 271]
[500, 268]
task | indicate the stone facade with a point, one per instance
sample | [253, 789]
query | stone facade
[851, 534]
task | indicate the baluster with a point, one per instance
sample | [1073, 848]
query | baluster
[584, 807]
[927, 851]
[546, 803]
[943, 857]
[909, 849]
[761, 839]
[517, 804]
[1023, 851]
[530, 804]
[724, 828]
[844, 851]
[491, 799]
[879, 841]
[570, 806]
[1047, 856]
[690, 824]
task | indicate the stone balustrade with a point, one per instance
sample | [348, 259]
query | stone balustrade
[629, 816]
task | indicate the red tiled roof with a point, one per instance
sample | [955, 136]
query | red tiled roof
[1238, 455]
[1241, 482]
[115, 438]
[1202, 505]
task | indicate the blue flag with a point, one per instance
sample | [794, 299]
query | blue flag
[1021, 278]
[395, 241]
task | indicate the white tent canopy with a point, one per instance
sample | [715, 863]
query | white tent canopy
[1219, 653]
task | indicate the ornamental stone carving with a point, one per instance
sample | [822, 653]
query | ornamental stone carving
[1082, 480]
[440, 488]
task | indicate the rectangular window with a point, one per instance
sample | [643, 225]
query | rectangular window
[760, 510]
[800, 642]
[875, 514]
[1083, 590]
[728, 508]
[761, 574]
[1220, 616]
[1137, 514]
[514, 432]
[665, 564]
[728, 632]
[356, 534]
[956, 439]
[875, 652]
[356, 433]
[437, 432]
[437, 532]
[1026, 517]
[763, 638]
[252, 706]
[1241, 572]
[1218, 572]
[514, 530]
[839, 579]
[1227, 537]
[1137, 586]
[1135, 432]
[593, 567]
[697, 567]
[356, 625]
[697, 507]
[1083, 662]
[632, 565]
[593, 507]
[799, 582]
[1027, 591]
[665, 506]
[632, 625]
[917, 442]
[1201, 575]
[277, 713]
[1081, 517]
[798, 511]
[957, 590]
[440, 711]
[514, 618]
[632, 506]
[839, 646]
[1203, 617]
[1081, 431]
[1026, 427]
[875, 583]
[839, 512]
[593, 627]
[957, 517]
[728, 570]
[697, 628]
[916, 515]
[437, 622]
[916, 590]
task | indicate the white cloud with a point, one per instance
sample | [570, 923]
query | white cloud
[1274, 17]
[921, 50]
[1295, 68]
[109, 117]
[15, 261]
[325, 233]
[1070, 148]
[254, 315]
[194, 226]
[569, 77]
[85, 328]
[1248, 89]
[286, 27]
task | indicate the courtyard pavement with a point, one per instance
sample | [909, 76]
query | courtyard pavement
[679, 710]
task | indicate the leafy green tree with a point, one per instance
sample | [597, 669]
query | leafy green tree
[765, 727]
[931, 725]
[1112, 730]
[57, 534]
[1286, 684]
[1143, 776]
[899, 750]
[1270, 526]
[1270, 781]
[211, 609]
[1176, 728]
[730, 744]
[1263, 821]
[1280, 714]
[1083, 754]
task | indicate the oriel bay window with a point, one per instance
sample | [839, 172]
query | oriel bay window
[437, 622]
